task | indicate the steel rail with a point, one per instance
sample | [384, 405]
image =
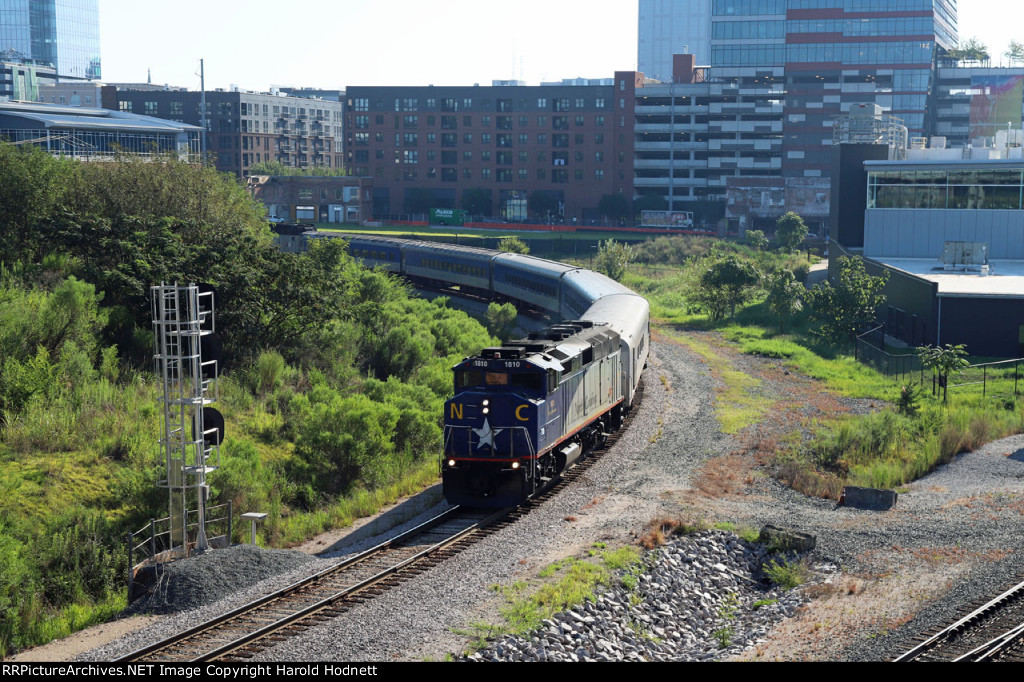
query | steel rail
[961, 625]
[294, 587]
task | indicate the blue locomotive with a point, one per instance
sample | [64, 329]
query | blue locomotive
[525, 412]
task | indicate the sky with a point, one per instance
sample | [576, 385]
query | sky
[332, 44]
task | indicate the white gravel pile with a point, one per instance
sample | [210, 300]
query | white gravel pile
[702, 598]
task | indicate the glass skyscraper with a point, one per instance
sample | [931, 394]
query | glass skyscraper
[670, 27]
[63, 33]
[833, 53]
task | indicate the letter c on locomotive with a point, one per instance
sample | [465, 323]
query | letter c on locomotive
[519, 413]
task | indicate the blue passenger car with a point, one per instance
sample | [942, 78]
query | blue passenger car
[449, 265]
[377, 252]
[533, 281]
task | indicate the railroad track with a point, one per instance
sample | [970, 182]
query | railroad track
[246, 631]
[992, 632]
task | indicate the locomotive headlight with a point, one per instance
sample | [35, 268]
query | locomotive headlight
[515, 465]
[487, 403]
[451, 464]
[487, 410]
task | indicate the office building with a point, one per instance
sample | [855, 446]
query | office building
[756, 132]
[669, 27]
[64, 34]
[22, 80]
[971, 105]
[246, 128]
[833, 53]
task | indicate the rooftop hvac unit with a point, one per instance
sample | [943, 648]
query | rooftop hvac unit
[966, 256]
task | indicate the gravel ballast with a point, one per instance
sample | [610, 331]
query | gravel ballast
[956, 530]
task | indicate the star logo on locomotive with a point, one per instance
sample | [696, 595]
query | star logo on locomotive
[487, 434]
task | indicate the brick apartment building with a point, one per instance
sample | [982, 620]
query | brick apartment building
[246, 128]
[570, 142]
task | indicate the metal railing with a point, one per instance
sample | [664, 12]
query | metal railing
[996, 379]
[153, 543]
[870, 350]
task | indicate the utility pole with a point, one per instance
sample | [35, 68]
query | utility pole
[202, 109]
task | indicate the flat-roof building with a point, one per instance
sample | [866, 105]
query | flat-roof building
[94, 134]
[948, 227]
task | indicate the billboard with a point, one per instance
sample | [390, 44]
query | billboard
[447, 216]
[667, 220]
[995, 102]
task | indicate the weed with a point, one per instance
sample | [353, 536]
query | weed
[787, 575]
[763, 602]
[723, 636]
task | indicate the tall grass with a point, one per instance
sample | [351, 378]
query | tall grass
[887, 450]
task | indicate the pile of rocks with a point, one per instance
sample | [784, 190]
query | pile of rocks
[700, 598]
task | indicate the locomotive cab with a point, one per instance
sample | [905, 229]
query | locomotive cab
[492, 426]
[524, 413]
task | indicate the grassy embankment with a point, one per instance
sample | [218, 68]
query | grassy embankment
[887, 449]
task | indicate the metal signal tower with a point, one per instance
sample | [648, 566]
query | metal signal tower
[182, 321]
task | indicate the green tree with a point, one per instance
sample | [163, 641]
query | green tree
[726, 283]
[501, 320]
[167, 188]
[477, 201]
[791, 231]
[615, 206]
[1015, 53]
[513, 245]
[278, 168]
[849, 305]
[756, 240]
[613, 259]
[947, 360]
[33, 185]
[971, 50]
[785, 296]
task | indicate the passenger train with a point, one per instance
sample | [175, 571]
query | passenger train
[525, 412]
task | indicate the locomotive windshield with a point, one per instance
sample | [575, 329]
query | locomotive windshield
[533, 381]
